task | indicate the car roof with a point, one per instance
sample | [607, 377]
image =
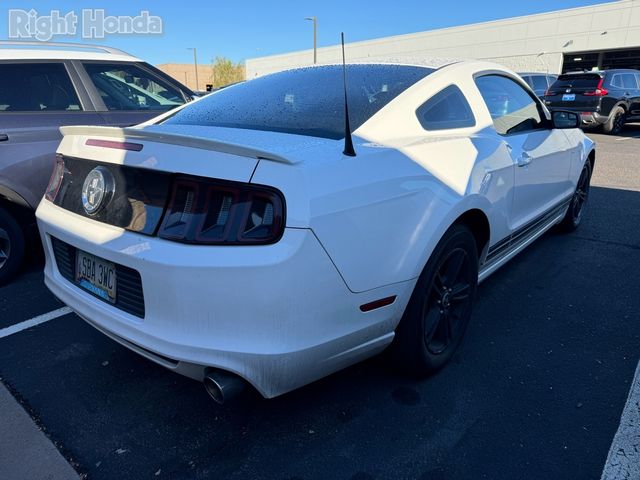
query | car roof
[537, 73]
[603, 72]
[434, 63]
[620, 70]
[27, 50]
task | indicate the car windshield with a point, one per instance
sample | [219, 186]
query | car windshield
[588, 80]
[307, 101]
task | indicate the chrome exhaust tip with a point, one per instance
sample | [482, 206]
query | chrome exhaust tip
[222, 386]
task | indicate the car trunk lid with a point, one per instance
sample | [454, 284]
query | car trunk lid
[141, 165]
[143, 162]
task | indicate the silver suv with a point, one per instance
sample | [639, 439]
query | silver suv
[44, 86]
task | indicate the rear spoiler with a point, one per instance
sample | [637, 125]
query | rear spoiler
[129, 133]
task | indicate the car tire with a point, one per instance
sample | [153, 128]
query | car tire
[439, 310]
[578, 204]
[615, 122]
[11, 246]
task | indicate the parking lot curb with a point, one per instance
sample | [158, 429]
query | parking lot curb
[623, 460]
[25, 451]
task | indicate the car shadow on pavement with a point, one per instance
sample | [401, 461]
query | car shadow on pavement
[534, 392]
[631, 130]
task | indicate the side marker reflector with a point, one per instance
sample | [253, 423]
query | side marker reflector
[383, 302]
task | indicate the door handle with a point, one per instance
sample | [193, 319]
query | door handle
[524, 159]
[4, 137]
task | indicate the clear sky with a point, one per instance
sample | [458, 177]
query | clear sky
[240, 29]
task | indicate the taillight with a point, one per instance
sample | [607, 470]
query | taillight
[548, 93]
[56, 179]
[215, 212]
[599, 91]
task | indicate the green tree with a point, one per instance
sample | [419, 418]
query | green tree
[224, 72]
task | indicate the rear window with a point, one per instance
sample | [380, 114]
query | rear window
[307, 101]
[587, 80]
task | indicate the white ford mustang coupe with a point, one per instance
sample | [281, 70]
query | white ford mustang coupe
[244, 239]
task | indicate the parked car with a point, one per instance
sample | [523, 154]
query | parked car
[539, 82]
[607, 98]
[247, 238]
[44, 86]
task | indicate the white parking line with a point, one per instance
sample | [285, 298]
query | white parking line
[622, 139]
[18, 327]
[623, 460]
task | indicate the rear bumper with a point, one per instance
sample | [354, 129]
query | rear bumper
[592, 118]
[279, 316]
[588, 116]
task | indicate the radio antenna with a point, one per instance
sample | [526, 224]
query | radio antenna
[348, 141]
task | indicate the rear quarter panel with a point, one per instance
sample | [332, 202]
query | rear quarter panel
[379, 215]
[581, 148]
[614, 98]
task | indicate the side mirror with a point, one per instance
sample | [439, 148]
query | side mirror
[565, 119]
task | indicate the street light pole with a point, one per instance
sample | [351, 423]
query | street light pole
[195, 64]
[314, 19]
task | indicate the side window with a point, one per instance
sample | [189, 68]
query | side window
[629, 81]
[616, 81]
[128, 87]
[539, 83]
[36, 87]
[511, 107]
[446, 109]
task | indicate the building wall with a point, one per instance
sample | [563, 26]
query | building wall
[185, 73]
[532, 43]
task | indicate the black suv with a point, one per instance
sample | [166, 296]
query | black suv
[608, 98]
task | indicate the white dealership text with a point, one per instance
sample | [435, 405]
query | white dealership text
[91, 23]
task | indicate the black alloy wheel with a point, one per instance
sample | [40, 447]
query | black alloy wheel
[447, 301]
[5, 247]
[580, 196]
[440, 307]
[578, 204]
[616, 121]
[11, 246]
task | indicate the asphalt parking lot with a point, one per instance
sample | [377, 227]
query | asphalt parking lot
[536, 391]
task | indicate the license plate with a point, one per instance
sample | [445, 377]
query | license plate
[568, 97]
[96, 275]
